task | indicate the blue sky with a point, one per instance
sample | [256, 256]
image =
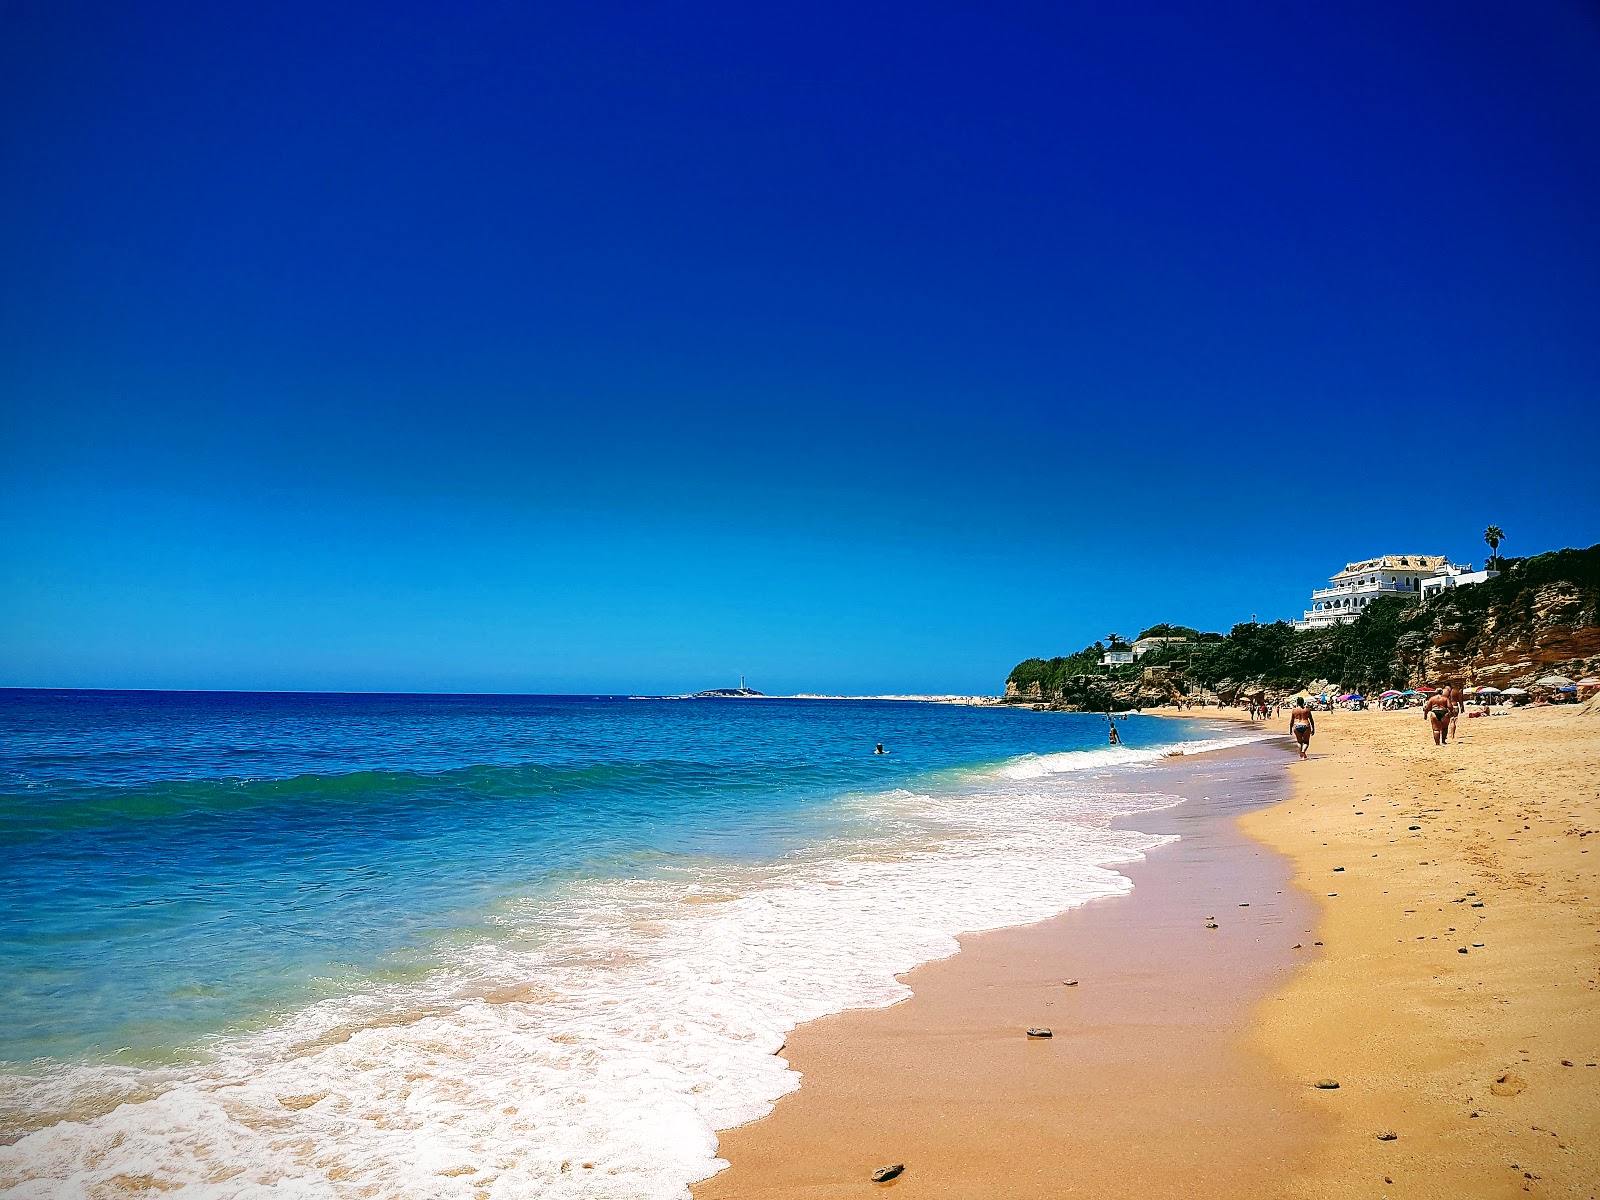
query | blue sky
[626, 348]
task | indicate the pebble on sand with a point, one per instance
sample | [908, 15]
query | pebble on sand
[1388, 1135]
[884, 1174]
[1326, 1085]
[1040, 1031]
[1070, 983]
[1211, 925]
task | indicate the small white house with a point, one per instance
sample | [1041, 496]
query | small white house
[1453, 576]
[1144, 645]
[1117, 658]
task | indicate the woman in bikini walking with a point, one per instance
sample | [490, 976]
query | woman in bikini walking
[1302, 724]
[1439, 710]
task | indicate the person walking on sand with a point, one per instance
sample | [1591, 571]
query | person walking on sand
[1438, 710]
[1302, 724]
[1458, 700]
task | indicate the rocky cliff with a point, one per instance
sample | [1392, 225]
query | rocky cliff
[1551, 628]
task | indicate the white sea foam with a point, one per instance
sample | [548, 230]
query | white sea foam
[593, 1049]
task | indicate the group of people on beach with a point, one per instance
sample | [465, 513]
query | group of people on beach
[1441, 710]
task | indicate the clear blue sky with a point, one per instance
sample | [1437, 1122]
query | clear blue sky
[859, 347]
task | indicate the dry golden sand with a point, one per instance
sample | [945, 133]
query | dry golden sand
[1187, 1065]
[1462, 1056]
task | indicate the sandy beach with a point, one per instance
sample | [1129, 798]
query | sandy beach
[1184, 1061]
[1457, 997]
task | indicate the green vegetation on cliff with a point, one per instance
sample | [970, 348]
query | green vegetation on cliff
[1396, 640]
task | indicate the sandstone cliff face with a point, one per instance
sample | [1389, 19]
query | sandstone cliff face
[1091, 693]
[1556, 630]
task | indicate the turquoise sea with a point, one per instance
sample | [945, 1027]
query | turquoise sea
[342, 945]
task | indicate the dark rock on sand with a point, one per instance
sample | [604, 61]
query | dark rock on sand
[1040, 1031]
[884, 1174]
[1388, 1135]
[1211, 925]
[1070, 983]
[1326, 1085]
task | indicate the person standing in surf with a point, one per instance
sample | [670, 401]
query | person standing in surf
[1302, 724]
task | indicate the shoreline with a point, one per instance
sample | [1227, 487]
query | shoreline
[948, 1082]
[1484, 1065]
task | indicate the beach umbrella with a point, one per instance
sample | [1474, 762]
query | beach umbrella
[1425, 691]
[1571, 687]
[1515, 692]
[1355, 696]
[1589, 681]
[1488, 691]
[1411, 692]
[1555, 681]
[1390, 692]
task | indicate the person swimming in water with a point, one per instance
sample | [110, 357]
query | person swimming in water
[880, 749]
[1302, 724]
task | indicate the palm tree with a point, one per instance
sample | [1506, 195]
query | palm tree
[1494, 535]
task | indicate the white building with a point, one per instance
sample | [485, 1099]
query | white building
[1453, 577]
[1360, 583]
[1116, 658]
[1144, 645]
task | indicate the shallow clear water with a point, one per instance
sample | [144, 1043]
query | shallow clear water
[425, 945]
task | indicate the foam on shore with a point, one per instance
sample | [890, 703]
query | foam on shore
[593, 1046]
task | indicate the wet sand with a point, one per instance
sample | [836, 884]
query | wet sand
[1149, 1086]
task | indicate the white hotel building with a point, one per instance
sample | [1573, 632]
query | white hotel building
[1360, 583]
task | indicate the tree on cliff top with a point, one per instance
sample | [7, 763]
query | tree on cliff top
[1494, 535]
[1180, 631]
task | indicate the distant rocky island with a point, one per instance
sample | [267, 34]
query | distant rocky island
[739, 693]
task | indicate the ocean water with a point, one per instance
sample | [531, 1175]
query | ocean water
[490, 947]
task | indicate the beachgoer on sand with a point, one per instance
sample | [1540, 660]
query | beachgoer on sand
[1458, 701]
[1438, 711]
[1302, 724]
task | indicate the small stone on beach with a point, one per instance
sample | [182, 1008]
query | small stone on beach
[1326, 1085]
[1211, 925]
[1070, 983]
[1388, 1135]
[1040, 1031]
[884, 1174]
